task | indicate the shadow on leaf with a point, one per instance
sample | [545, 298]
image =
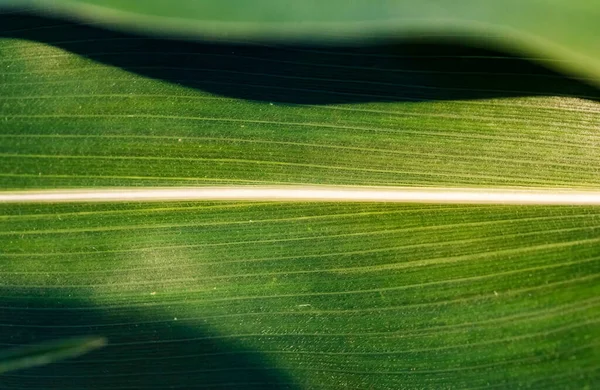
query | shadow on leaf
[143, 354]
[308, 74]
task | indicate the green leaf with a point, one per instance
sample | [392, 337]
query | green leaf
[42, 354]
[294, 295]
[560, 33]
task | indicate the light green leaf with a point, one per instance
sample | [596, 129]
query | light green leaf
[294, 295]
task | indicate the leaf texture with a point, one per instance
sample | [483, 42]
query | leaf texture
[296, 295]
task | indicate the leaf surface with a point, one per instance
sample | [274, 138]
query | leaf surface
[294, 295]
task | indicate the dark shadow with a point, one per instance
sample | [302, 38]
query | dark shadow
[170, 354]
[307, 74]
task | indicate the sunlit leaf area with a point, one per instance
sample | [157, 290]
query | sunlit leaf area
[298, 295]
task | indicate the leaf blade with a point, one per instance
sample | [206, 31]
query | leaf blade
[207, 294]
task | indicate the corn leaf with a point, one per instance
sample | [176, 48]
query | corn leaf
[294, 295]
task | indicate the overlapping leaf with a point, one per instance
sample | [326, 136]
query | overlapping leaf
[563, 34]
